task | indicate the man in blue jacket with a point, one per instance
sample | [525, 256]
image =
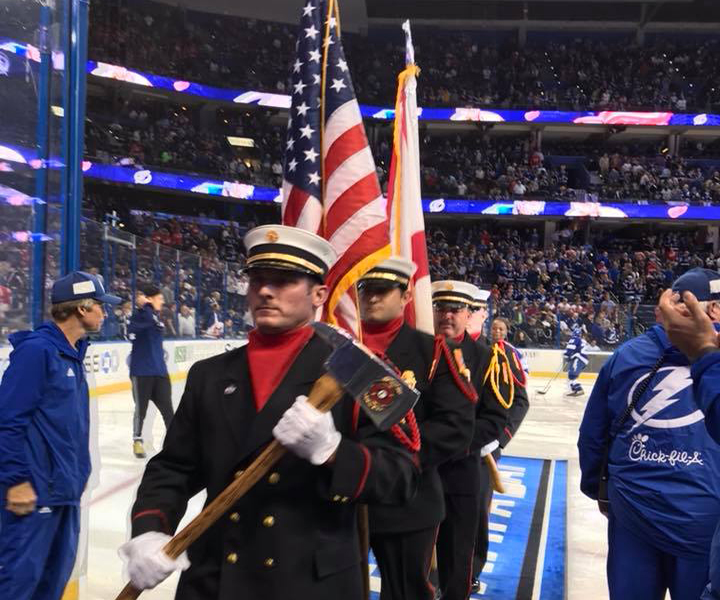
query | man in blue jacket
[691, 329]
[664, 468]
[148, 372]
[44, 455]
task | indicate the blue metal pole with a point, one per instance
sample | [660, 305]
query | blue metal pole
[133, 272]
[74, 133]
[41, 186]
[225, 290]
[177, 287]
[106, 275]
[198, 301]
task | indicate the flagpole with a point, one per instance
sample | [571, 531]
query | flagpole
[404, 205]
[323, 79]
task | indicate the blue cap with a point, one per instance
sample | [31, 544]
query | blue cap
[703, 283]
[79, 285]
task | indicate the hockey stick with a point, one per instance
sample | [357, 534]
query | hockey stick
[546, 389]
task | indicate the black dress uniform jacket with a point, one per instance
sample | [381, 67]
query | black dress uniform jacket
[461, 476]
[514, 417]
[520, 406]
[295, 531]
[445, 419]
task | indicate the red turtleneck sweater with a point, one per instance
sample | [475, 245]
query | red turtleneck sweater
[379, 336]
[270, 357]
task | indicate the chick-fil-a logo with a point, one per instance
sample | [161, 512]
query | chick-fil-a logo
[639, 452]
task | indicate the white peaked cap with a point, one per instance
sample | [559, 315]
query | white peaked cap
[394, 269]
[460, 292]
[288, 249]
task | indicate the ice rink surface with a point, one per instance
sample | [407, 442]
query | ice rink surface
[549, 432]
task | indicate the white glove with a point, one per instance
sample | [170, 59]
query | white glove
[145, 562]
[489, 448]
[307, 432]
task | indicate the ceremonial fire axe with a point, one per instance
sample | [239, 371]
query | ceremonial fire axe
[351, 369]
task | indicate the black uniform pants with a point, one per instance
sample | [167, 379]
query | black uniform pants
[483, 523]
[455, 545]
[157, 389]
[404, 560]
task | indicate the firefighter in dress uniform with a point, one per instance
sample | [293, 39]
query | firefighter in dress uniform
[403, 537]
[453, 304]
[294, 531]
[505, 380]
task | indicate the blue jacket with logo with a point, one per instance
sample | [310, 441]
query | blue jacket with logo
[576, 349]
[664, 467]
[145, 330]
[706, 377]
[44, 427]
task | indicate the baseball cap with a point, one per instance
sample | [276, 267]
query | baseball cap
[703, 283]
[79, 285]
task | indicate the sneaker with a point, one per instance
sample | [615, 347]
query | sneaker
[138, 449]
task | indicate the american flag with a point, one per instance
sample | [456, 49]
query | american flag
[330, 185]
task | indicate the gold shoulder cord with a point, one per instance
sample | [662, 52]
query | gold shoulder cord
[496, 369]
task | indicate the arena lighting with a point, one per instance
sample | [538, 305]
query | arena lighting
[437, 206]
[16, 54]
[241, 141]
[449, 207]
[270, 100]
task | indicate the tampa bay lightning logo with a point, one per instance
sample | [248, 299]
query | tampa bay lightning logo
[671, 382]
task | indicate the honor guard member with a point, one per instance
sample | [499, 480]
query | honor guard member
[504, 384]
[476, 326]
[462, 483]
[402, 537]
[646, 453]
[44, 436]
[295, 531]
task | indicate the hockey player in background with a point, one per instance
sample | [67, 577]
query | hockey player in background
[663, 468]
[576, 356]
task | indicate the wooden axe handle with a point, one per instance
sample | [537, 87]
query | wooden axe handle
[494, 474]
[324, 395]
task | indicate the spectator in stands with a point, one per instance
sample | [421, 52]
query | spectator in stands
[213, 324]
[186, 323]
[124, 314]
[168, 316]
